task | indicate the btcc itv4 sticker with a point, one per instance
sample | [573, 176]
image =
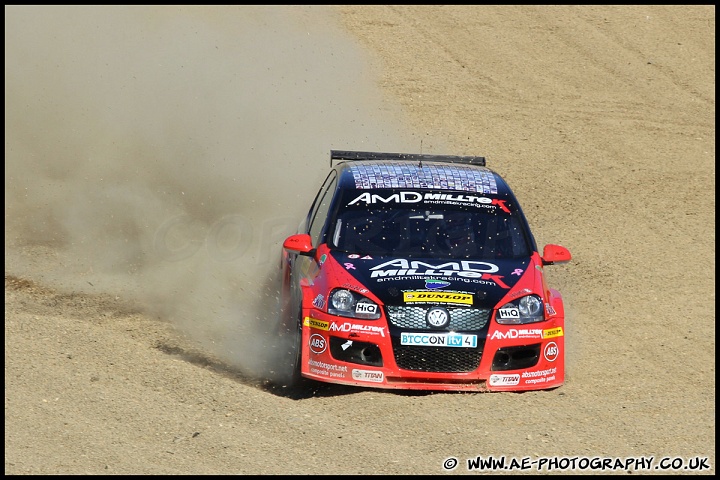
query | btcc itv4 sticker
[438, 297]
[438, 339]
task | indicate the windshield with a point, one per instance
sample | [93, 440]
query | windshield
[419, 231]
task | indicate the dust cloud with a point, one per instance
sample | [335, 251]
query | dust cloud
[162, 153]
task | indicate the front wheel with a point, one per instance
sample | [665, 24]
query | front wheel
[284, 368]
[285, 373]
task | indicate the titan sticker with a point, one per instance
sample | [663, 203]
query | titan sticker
[368, 375]
[498, 380]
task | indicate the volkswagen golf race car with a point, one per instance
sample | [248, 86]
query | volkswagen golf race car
[419, 271]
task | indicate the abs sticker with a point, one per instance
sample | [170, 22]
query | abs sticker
[551, 351]
[438, 297]
[504, 380]
[317, 343]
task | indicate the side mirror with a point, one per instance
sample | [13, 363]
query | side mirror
[299, 243]
[555, 254]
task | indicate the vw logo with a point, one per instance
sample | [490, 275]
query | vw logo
[438, 317]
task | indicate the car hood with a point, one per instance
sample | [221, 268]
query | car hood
[397, 280]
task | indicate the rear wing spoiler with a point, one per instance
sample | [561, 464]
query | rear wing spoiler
[360, 156]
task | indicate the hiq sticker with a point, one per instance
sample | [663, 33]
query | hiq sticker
[505, 313]
[365, 308]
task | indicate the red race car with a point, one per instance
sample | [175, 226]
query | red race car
[418, 271]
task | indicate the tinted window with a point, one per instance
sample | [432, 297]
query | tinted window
[304, 227]
[321, 209]
[430, 230]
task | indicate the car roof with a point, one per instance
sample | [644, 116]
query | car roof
[382, 174]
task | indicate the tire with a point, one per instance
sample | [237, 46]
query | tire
[284, 371]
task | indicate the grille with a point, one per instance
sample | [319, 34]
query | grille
[413, 318]
[434, 359]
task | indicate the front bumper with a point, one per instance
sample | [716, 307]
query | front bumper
[368, 353]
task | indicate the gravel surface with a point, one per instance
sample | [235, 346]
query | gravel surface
[155, 157]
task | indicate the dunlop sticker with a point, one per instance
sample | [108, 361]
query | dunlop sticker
[553, 332]
[438, 297]
[315, 323]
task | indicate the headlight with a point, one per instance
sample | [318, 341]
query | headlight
[528, 309]
[350, 304]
